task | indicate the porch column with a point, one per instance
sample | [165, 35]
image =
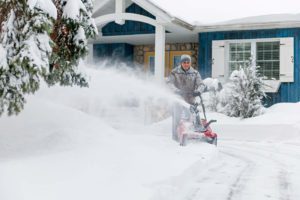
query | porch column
[159, 68]
[90, 57]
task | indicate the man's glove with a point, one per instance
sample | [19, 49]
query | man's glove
[196, 93]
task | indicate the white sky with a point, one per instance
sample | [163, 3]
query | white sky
[211, 11]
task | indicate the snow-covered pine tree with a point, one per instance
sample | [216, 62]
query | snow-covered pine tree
[242, 96]
[25, 43]
[28, 53]
[73, 27]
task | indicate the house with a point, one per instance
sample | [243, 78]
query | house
[141, 32]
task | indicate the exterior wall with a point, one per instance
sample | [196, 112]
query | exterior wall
[118, 52]
[140, 50]
[130, 27]
[288, 92]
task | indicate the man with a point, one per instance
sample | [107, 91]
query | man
[185, 81]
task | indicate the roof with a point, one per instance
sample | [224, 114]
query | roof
[216, 15]
[203, 12]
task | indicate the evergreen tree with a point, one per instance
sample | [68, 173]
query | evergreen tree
[242, 96]
[28, 53]
[26, 42]
[72, 28]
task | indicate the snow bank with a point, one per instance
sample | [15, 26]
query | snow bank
[279, 123]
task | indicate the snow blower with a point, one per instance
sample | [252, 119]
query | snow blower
[194, 128]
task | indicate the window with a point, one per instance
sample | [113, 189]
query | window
[239, 55]
[265, 53]
[275, 56]
[267, 57]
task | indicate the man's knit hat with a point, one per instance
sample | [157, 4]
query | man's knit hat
[185, 58]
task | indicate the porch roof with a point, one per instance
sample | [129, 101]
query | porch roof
[185, 19]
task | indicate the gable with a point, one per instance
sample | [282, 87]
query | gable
[130, 27]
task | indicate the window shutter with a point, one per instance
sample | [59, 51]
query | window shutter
[287, 60]
[218, 59]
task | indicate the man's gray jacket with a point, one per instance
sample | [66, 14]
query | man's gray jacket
[185, 82]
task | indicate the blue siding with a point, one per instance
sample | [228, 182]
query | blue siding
[116, 52]
[288, 92]
[130, 27]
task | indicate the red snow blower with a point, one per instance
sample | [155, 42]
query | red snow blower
[194, 128]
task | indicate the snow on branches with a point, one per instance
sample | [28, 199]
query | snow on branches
[26, 42]
[41, 39]
[72, 29]
[242, 95]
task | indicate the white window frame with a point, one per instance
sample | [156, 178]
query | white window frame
[253, 50]
[220, 59]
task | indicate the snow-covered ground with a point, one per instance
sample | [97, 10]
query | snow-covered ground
[97, 143]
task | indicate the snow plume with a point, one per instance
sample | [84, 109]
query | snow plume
[119, 95]
[89, 143]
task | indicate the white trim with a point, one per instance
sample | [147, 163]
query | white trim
[253, 40]
[253, 49]
[287, 66]
[160, 37]
[124, 16]
[159, 64]
[271, 86]
[154, 9]
[252, 26]
[120, 8]
[218, 59]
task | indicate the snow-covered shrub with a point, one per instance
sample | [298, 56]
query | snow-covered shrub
[242, 95]
[210, 97]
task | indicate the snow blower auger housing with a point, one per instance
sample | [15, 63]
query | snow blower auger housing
[194, 128]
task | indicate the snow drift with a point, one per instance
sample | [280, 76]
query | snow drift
[72, 143]
[97, 142]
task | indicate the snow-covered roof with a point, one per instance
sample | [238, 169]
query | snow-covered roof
[213, 15]
[263, 19]
[202, 12]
